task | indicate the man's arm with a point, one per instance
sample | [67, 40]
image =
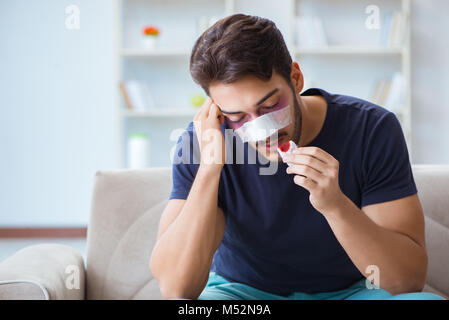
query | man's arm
[389, 235]
[191, 230]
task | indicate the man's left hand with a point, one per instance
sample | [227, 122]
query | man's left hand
[317, 171]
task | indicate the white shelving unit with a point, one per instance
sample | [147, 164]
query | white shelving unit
[343, 66]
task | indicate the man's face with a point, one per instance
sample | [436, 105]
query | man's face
[249, 98]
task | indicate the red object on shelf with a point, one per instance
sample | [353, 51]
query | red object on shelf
[151, 31]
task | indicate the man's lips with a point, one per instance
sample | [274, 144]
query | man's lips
[272, 143]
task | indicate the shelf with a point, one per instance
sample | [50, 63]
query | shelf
[163, 113]
[331, 50]
[137, 52]
[347, 50]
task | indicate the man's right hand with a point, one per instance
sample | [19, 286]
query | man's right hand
[210, 138]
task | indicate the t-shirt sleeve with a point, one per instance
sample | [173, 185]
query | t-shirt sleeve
[186, 159]
[184, 167]
[387, 172]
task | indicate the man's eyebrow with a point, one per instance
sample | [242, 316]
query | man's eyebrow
[269, 94]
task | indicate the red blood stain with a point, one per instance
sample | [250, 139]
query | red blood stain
[285, 146]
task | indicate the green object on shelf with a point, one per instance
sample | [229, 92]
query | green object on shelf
[138, 135]
[197, 100]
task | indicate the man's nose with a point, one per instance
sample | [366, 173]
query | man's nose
[252, 116]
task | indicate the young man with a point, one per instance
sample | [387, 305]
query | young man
[343, 210]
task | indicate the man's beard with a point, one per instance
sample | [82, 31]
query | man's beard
[297, 121]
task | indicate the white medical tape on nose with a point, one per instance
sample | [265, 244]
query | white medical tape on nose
[262, 127]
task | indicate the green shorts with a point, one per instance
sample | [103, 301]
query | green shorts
[218, 288]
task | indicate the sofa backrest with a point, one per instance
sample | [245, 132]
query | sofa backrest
[432, 182]
[127, 205]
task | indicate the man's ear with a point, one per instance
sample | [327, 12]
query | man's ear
[297, 77]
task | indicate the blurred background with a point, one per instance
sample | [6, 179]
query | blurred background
[90, 85]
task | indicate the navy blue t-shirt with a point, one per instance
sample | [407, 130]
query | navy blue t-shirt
[275, 240]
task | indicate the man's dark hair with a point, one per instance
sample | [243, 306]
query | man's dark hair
[237, 46]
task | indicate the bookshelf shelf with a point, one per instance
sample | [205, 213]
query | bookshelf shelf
[347, 50]
[164, 113]
[353, 60]
[130, 52]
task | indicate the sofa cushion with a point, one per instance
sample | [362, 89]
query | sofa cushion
[126, 208]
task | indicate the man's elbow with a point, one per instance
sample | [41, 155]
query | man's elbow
[419, 278]
[408, 285]
[171, 288]
[414, 280]
[176, 291]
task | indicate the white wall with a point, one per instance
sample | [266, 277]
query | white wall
[57, 110]
[57, 121]
[430, 81]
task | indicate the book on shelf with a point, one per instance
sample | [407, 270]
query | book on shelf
[393, 30]
[310, 32]
[136, 95]
[389, 93]
[395, 98]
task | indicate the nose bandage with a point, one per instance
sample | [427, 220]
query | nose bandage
[262, 127]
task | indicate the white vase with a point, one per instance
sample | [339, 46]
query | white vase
[138, 151]
[149, 42]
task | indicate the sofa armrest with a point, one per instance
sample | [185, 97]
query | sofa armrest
[43, 271]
